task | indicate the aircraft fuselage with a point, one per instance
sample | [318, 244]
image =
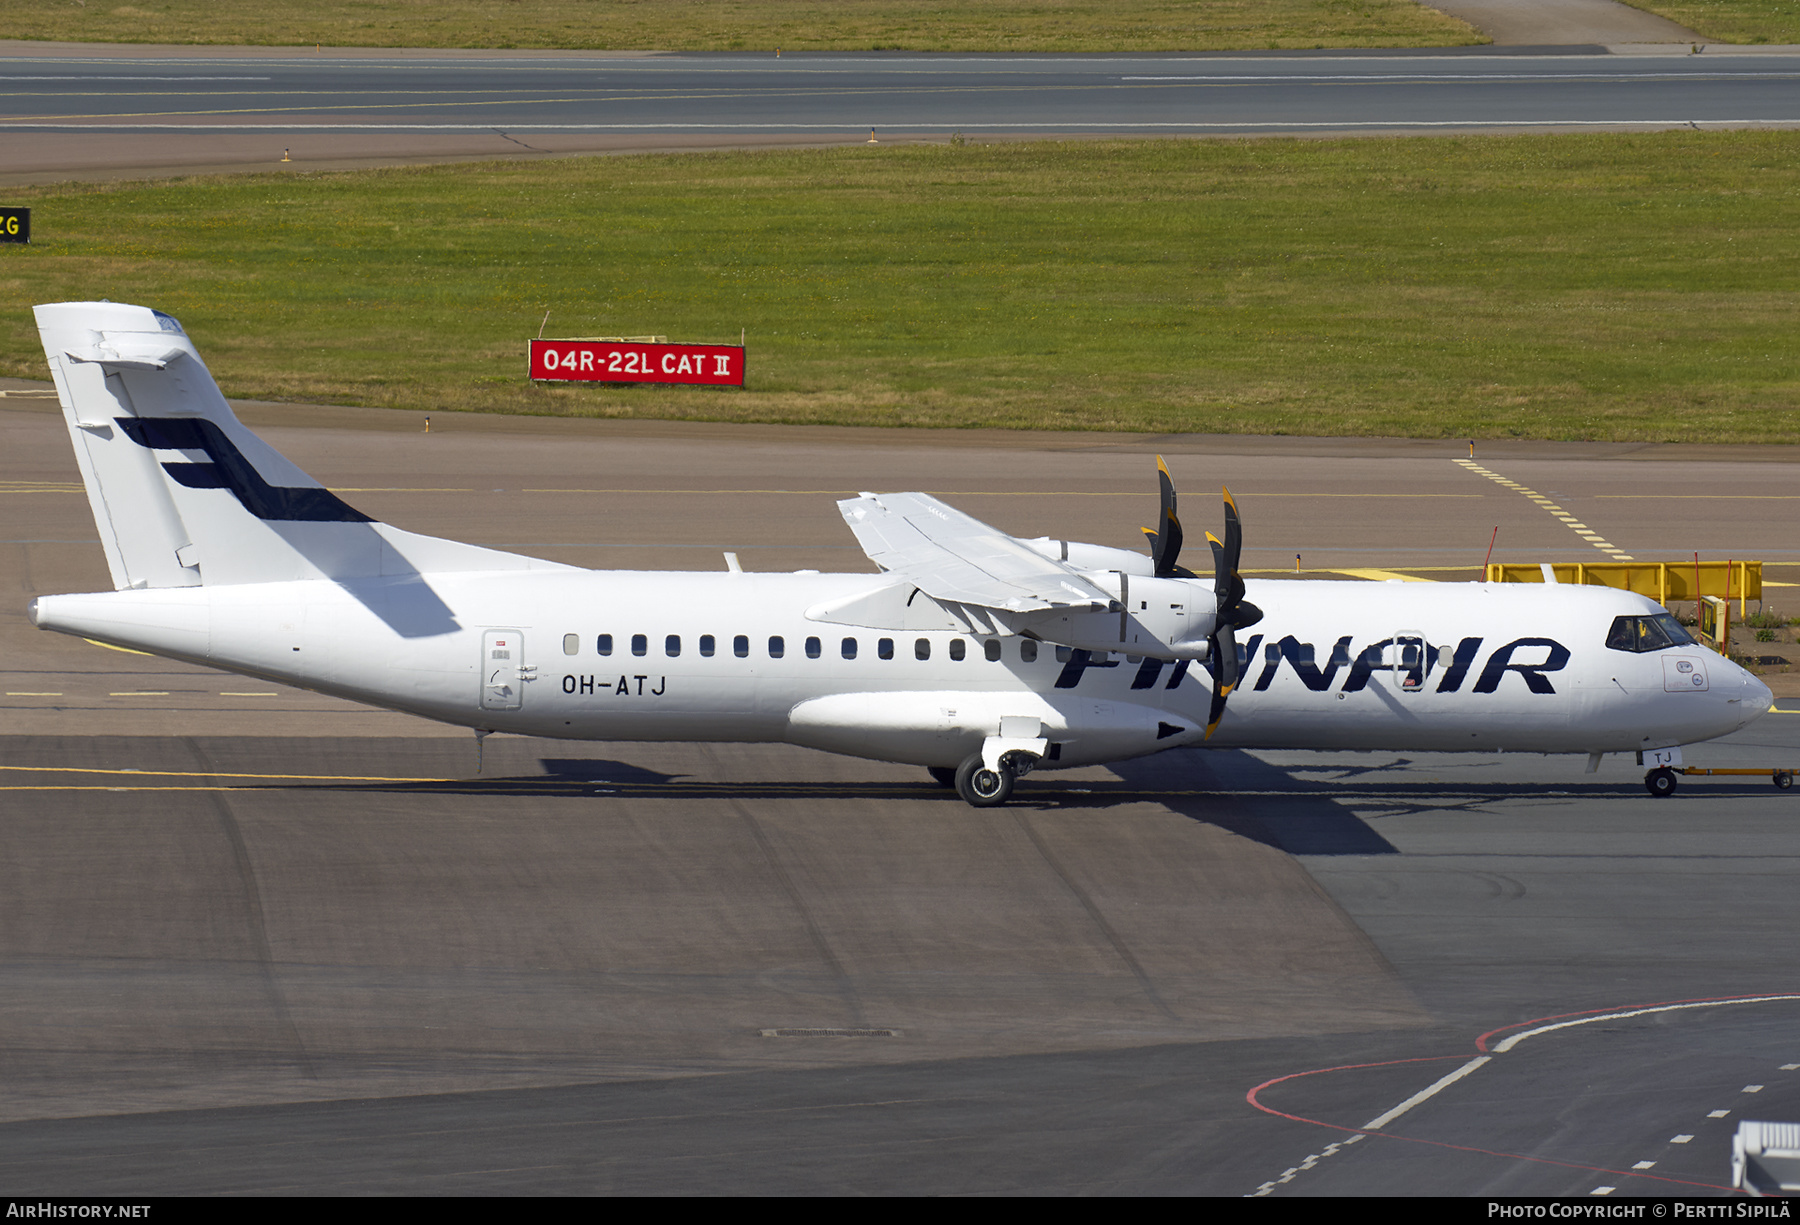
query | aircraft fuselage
[646, 655]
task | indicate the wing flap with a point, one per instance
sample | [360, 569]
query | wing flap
[960, 560]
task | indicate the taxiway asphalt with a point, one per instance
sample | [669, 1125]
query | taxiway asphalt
[77, 112]
[258, 941]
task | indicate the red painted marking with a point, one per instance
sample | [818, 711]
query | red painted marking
[1461, 1148]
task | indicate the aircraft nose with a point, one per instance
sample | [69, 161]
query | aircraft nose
[1758, 698]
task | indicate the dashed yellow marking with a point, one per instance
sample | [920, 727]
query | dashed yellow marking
[1580, 529]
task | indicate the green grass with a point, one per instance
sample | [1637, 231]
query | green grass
[820, 25]
[1600, 287]
[755, 25]
[1733, 21]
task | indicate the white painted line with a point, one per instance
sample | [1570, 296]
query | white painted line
[1643, 1165]
[1602, 1190]
[1381, 1121]
[1717, 1114]
[1752, 1089]
[1684, 1138]
[1513, 1041]
[1790, 1067]
[1312, 1159]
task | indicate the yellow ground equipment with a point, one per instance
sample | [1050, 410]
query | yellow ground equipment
[1783, 779]
[1662, 581]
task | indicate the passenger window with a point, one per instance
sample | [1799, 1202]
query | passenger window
[885, 649]
[740, 646]
[1062, 655]
[640, 645]
[777, 647]
[571, 644]
[812, 648]
[922, 649]
[991, 648]
[604, 644]
[1340, 655]
[849, 648]
[672, 645]
[1028, 650]
[957, 649]
[706, 645]
[1272, 653]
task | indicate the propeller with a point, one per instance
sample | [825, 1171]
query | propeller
[1165, 538]
[1233, 611]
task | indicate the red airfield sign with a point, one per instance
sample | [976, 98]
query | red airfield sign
[625, 361]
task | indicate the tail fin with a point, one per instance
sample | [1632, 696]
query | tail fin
[182, 493]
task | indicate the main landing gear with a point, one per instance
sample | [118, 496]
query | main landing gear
[982, 787]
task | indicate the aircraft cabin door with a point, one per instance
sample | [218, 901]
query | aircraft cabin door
[503, 669]
[1412, 661]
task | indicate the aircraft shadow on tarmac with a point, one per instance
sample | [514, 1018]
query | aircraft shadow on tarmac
[1286, 807]
[1248, 797]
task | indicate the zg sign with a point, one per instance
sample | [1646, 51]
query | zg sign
[15, 225]
[624, 361]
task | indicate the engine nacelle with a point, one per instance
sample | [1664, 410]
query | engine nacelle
[1100, 557]
[1165, 618]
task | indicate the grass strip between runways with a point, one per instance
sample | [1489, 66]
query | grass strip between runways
[750, 25]
[1582, 286]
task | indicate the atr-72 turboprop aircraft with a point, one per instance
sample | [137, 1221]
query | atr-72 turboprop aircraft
[972, 653]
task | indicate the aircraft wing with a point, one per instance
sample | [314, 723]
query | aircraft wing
[954, 558]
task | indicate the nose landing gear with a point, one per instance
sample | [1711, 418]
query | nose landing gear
[1660, 782]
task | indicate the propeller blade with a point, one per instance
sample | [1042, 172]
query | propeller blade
[1221, 576]
[1231, 611]
[1225, 657]
[1165, 539]
[1170, 541]
[1225, 673]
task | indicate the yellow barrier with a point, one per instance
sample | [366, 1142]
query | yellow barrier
[1662, 581]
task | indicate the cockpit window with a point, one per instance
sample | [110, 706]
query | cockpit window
[1641, 634]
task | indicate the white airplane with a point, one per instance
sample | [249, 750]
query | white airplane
[972, 653]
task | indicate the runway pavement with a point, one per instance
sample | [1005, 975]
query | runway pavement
[74, 112]
[258, 941]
